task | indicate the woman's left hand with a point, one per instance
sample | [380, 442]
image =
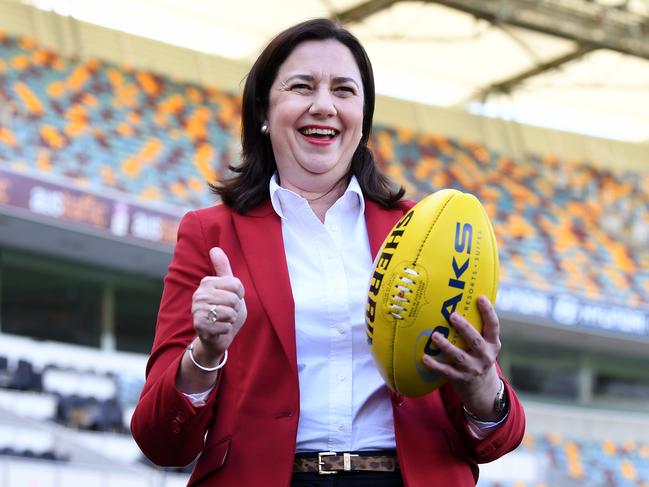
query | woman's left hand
[472, 372]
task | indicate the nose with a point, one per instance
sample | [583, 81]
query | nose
[323, 103]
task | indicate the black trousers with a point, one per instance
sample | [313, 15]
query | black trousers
[348, 479]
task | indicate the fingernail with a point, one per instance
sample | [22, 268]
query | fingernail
[455, 317]
[483, 300]
[437, 337]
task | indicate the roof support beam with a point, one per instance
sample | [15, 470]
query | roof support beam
[582, 21]
[507, 86]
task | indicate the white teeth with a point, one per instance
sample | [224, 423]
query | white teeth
[316, 131]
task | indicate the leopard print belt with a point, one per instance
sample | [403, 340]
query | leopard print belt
[331, 462]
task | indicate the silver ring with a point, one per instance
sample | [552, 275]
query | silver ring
[211, 315]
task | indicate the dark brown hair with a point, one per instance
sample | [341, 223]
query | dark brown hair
[249, 185]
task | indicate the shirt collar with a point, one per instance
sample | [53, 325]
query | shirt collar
[281, 198]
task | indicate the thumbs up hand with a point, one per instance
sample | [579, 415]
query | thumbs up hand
[218, 308]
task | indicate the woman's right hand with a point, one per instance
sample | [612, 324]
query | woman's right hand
[218, 310]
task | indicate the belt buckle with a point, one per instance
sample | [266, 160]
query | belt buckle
[321, 470]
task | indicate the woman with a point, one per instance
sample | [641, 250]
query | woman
[268, 290]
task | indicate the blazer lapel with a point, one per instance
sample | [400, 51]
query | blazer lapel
[260, 234]
[379, 223]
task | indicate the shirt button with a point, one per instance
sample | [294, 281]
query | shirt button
[342, 329]
[341, 427]
[342, 377]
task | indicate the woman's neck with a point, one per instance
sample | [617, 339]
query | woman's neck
[319, 200]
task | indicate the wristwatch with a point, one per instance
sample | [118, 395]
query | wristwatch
[500, 401]
[500, 404]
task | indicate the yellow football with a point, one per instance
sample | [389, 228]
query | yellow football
[439, 258]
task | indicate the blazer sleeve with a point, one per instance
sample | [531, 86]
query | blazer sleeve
[167, 427]
[501, 440]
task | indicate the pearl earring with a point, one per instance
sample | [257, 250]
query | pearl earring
[264, 128]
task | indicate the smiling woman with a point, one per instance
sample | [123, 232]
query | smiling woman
[260, 352]
[315, 118]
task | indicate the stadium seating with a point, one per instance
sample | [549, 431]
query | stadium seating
[549, 215]
[98, 416]
[593, 463]
[564, 225]
[27, 443]
[106, 126]
[90, 395]
[77, 390]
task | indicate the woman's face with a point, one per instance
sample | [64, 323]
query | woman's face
[315, 115]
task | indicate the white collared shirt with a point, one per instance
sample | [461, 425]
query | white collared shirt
[344, 402]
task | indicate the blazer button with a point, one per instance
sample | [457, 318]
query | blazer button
[180, 417]
[175, 426]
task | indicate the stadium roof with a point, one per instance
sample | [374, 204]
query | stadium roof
[576, 65]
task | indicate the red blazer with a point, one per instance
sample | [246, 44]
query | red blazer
[252, 414]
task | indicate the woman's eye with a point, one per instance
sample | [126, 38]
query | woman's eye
[346, 90]
[300, 87]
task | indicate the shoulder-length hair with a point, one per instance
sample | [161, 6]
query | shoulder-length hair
[248, 187]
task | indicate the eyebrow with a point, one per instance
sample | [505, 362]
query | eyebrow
[337, 79]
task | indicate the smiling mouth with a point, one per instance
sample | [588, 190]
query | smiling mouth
[319, 133]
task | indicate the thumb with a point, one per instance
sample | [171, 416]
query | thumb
[220, 262]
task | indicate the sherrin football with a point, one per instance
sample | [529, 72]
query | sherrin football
[438, 258]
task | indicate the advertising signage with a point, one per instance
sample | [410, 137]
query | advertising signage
[570, 311]
[116, 216]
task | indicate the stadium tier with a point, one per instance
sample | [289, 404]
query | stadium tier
[106, 126]
[550, 216]
[594, 463]
[561, 225]
[90, 404]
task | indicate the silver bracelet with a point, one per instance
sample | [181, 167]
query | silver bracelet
[190, 349]
[500, 404]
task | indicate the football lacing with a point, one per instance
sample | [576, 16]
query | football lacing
[404, 290]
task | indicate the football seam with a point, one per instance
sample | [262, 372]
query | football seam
[430, 228]
[495, 257]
